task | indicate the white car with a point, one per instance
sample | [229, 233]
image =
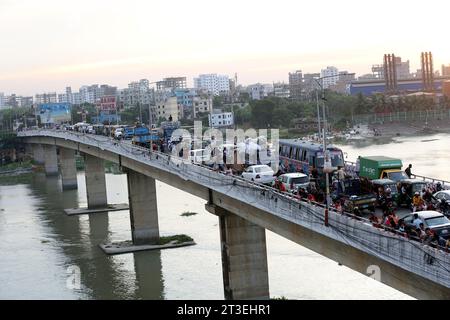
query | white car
[199, 156]
[293, 181]
[443, 195]
[433, 220]
[259, 173]
[118, 133]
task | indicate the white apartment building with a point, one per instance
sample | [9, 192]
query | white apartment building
[259, 91]
[2, 100]
[213, 83]
[223, 119]
[331, 75]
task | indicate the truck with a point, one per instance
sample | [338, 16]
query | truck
[143, 137]
[381, 167]
[168, 127]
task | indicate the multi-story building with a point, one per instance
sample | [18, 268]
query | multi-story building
[281, 90]
[343, 84]
[46, 98]
[401, 67]
[75, 98]
[445, 70]
[89, 94]
[296, 84]
[26, 102]
[166, 107]
[171, 83]
[330, 76]
[259, 91]
[2, 100]
[309, 83]
[213, 83]
[202, 104]
[185, 99]
[63, 98]
[218, 119]
[137, 93]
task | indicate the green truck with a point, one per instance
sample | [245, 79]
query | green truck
[380, 167]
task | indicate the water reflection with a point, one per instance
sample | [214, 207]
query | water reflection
[76, 240]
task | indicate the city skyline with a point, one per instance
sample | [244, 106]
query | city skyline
[51, 45]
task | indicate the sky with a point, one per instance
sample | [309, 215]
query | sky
[50, 44]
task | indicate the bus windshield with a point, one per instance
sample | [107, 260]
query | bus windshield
[337, 160]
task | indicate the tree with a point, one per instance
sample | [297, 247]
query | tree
[262, 112]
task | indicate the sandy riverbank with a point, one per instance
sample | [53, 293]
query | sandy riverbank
[393, 129]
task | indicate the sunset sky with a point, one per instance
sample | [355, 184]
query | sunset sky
[50, 44]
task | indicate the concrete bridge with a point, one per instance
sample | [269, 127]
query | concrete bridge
[244, 210]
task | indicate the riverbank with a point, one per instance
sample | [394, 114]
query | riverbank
[16, 168]
[413, 128]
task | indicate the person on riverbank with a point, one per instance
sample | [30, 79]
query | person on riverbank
[408, 171]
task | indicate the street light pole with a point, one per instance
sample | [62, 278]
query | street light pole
[318, 113]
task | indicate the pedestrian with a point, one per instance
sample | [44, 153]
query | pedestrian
[408, 171]
[417, 221]
[357, 166]
[341, 178]
[224, 156]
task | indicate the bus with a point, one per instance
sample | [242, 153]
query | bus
[298, 155]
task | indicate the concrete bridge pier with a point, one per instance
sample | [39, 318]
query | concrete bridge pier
[51, 160]
[244, 256]
[68, 169]
[143, 208]
[38, 153]
[95, 182]
[143, 218]
[95, 186]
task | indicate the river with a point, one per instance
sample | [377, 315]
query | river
[40, 246]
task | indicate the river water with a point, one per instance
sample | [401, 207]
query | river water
[41, 247]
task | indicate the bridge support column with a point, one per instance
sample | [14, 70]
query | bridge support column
[68, 169]
[95, 182]
[38, 153]
[244, 257]
[143, 218]
[51, 160]
[143, 208]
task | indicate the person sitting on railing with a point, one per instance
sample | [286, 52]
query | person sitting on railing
[402, 227]
[422, 232]
[375, 220]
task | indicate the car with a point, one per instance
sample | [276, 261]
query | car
[434, 220]
[199, 156]
[259, 173]
[118, 133]
[442, 201]
[294, 181]
[442, 195]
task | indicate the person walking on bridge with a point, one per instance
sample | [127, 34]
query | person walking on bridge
[408, 171]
